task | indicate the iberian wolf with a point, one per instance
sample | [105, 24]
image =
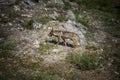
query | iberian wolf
[63, 35]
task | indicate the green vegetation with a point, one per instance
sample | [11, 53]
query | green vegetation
[12, 15]
[62, 18]
[85, 61]
[83, 21]
[29, 24]
[93, 3]
[67, 5]
[93, 47]
[53, 5]
[88, 36]
[49, 73]
[6, 46]
[44, 19]
[45, 47]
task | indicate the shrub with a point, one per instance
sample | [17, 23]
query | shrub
[84, 62]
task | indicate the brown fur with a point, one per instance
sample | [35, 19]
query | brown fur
[62, 35]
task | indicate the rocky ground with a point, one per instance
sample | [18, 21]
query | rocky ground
[28, 53]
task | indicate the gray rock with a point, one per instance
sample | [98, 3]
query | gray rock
[81, 27]
[36, 25]
[54, 15]
[71, 15]
[70, 26]
[16, 8]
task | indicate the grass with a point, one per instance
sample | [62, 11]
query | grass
[9, 16]
[29, 24]
[93, 47]
[5, 48]
[85, 61]
[83, 21]
[53, 5]
[62, 18]
[45, 47]
[44, 19]
[67, 5]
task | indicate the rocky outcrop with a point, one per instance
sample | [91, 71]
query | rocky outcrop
[71, 15]
[70, 26]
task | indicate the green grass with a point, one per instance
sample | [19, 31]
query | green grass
[2, 34]
[6, 46]
[62, 18]
[84, 62]
[53, 5]
[93, 47]
[45, 47]
[82, 21]
[29, 24]
[67, 5]
[44, 19]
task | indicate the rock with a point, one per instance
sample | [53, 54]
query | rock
[70, 26]
[37, 25]
[26, 15]
[54, 15]
[81, 27]
[71, 15]
[55, 51]
[16, 8]
[36, 44]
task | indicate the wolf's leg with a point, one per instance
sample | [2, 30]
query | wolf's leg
[74, 42]
[65, 42]
[58, 41]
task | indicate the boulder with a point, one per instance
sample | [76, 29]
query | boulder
[70, 26]
[71, 15]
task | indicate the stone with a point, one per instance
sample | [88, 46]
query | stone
[71, 15]
[37, 25]
[16, 8]
[70, 26]
[54, 15]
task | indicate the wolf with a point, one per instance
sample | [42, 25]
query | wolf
[63, 35]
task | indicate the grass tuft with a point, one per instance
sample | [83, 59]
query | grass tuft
[53, 5]
[62, 18]
[45, 47]
[84, 62]
[44, 19]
